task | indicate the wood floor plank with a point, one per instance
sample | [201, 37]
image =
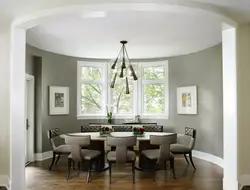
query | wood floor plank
[207, 177]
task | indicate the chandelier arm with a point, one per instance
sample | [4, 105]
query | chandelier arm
[131, 67]
[115, 62]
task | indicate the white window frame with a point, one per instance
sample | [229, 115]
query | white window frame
[142, 81]
[135, 107]
[137, 91]
[102, 82]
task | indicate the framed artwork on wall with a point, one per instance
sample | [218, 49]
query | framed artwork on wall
[187, 100]
[58, 100]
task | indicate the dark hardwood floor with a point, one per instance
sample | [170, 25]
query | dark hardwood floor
[207, 177]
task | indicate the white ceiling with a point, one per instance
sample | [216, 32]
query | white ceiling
[150, 34]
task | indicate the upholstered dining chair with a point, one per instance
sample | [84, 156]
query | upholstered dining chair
[153, 128]
[79, 155]
[185, 144]
[57, 150]
[121, 128]
[163, 154]
[122, 154]
[90, 128]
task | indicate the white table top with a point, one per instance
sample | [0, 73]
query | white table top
[96, 135]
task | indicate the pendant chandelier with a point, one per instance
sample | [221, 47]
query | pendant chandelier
[123, 67]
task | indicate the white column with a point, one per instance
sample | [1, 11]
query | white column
[17, 107]
[243, 93]
[4, 102]
[229, 109]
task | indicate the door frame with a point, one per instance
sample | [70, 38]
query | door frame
[30, 79]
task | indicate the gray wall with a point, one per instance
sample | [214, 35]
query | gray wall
[203, 69]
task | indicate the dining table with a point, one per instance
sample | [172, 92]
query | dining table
[98, 142]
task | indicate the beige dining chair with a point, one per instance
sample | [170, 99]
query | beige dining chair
[185, 144]
[57, 150]
[162, 155]
[121, 155]
[79, 155]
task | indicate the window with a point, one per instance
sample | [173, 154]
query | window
[91, 89]
[154, 89]
[148, 95]
[123, 104]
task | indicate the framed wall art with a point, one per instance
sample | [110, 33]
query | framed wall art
[58, 100]
[187, 100]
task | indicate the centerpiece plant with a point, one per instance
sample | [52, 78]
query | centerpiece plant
[138, 130]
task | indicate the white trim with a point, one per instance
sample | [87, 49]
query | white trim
[208, 157]
[230, 185]
[43, 156]
[197, 154]
[5, 181]
[31, 116]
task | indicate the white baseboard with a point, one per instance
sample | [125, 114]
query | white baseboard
[43, 156]
[197, 154]
[208, 157]
[5, 181]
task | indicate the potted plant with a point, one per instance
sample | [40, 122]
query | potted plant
[109, 114]
[138, 130]
[105, 130]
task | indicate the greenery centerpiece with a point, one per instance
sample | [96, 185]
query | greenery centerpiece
[104, 131]
[138, 131]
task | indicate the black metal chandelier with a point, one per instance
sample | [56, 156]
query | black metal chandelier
[123, 66]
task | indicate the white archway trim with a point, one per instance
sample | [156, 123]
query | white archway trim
[17, 109]
[182, 6]
[230, 132]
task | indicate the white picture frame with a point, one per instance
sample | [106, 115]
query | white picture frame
[58, 100]
[187, 100]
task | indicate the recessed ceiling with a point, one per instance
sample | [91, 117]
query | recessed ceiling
[149, 34]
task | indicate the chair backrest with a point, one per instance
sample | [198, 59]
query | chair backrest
[90, 128]
[76, 143]
[122, 128]
[121, 144]
[52, 133]
[192, 133]
[153, 128]
[164, 142]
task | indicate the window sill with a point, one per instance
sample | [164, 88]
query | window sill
[145, 116]
[152, 116]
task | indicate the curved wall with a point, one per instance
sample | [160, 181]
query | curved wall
[203, 69]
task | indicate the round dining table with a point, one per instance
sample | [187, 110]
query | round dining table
[98, 142]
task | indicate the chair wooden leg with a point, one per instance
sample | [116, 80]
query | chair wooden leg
[133, 172]
[78, 168]
[74, 168]
[110, 168]
[89, 171]
[69, 168]
[191, 159]
[58, 158]
[172, 167]
[165, 166]
[53, 160]
[186, 158]
[154, 172]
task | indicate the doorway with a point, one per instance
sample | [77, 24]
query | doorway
[29, 116]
